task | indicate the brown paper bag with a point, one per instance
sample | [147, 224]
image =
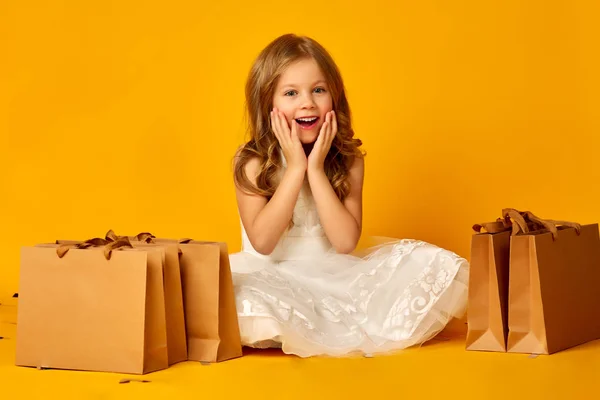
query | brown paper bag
[212, 328]
[175, 315]
[94, 309]
[487, 303]
[211, 314]
[553, 283]
[173, 294]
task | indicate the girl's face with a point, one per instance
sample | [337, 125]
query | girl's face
[302, 94]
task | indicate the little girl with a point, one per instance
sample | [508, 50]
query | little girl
[299, 192]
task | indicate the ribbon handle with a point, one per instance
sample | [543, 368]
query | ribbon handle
[524, 222]
[145, 237]
[523, 219]
[109, 246]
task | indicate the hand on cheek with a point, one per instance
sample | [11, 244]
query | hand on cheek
[316, 159]
[288, 140]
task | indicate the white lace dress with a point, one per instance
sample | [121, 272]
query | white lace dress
[311, 301]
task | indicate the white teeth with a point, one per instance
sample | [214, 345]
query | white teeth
[307, 119]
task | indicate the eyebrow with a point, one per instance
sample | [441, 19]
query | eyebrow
[294, 85]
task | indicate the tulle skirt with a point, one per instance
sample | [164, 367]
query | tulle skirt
[319, 303]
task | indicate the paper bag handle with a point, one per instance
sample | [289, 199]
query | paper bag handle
[145, 237]
[520, 224]
[109, 246]
[492, 227]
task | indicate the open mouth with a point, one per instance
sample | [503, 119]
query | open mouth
[308, 122]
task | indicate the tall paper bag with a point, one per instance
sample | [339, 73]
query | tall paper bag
[173, 295]
[87, 311]
[487, 303]
[174, 308]
[211, 315]
[553, 289]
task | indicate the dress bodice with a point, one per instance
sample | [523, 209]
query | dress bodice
[304, 239]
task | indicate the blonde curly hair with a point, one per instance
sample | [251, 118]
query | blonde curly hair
[263, 144]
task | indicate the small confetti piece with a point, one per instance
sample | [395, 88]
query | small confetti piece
[204, 363]
[15, 295]
[1, 337]
[133, 380]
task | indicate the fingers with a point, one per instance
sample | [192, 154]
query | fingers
[321, 138]
[285, 128]
[328, 132]
[334, 127]
[274, 125]
[280, 127]
[294, 134]
[324, 138]
[323, 130]
[278, 124]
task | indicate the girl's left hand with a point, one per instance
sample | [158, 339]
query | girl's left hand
[316, 158]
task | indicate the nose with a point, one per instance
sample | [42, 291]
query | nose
[308, 102]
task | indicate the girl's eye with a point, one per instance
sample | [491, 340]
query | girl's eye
[289, 93]
[320, 90]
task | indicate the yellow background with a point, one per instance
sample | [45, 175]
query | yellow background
[125, 116]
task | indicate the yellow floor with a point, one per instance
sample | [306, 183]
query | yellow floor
[440, 369]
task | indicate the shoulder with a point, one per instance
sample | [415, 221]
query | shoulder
[252, 168]
[358, 164]
[248, 163]
[355, 177]
[356, 170]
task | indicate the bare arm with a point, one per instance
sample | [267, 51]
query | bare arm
[342, 221]
[265, 221]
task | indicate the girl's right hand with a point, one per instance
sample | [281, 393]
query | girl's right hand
[288, 140]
